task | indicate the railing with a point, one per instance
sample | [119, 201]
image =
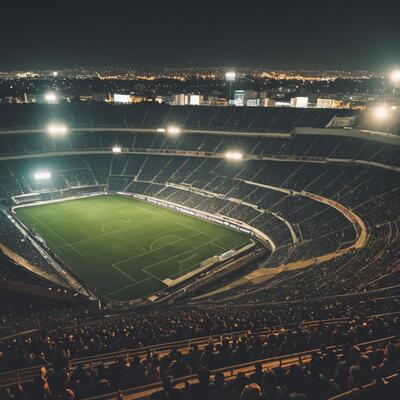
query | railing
[26, 374]
[142, 392]
[363, 391]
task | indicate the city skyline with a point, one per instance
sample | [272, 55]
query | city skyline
[313, 36]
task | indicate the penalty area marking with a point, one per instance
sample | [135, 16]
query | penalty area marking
[124, 273]
[166, 244]
[152, 251]
[185, 259]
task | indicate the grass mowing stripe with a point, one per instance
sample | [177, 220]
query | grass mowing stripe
[56, 234]
[153, 251]
[79, 222]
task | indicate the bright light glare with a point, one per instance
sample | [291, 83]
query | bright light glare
[42, 175]
[162, 130]
[381, 112]
[396, 76]
[57, 129]
[51, 97]
[234, 155]
[55, 73]
[116, 149]
[230, 75]
[173, 130]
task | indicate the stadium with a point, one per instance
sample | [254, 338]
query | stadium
[175, 230]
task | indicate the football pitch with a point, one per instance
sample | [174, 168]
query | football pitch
[124, 248]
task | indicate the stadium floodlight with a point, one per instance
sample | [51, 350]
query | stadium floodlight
[381, 112]
[42, 175]
[51, 97]
[173, 130]
[234, 155]
[230, 76]
[116, 149]
[395, 76]
[161, 130]
[57, 129]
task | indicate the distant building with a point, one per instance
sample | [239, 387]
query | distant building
[138, 99]
[239, 98]
[299, 102]
[85, 97]
[30, 98]
[217, 101]
[99, 97]
[253, 103]
[267, 102]
[331, 103]
[179, 99]
[183, 99]
[122, 98]
[160, 99]
[195, 100]
[242, 97]
[282, 104]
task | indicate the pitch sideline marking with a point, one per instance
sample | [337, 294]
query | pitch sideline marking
[55, 233]
[129, 286]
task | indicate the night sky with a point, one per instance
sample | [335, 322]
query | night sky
[274, 34]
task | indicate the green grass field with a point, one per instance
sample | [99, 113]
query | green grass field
[125, 248]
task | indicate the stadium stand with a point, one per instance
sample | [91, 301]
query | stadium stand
[327, 200]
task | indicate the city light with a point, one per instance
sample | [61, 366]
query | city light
[381, 112]
[234, 155]
[42, 175]
[55, 74]
[173, 130]
[116, 149]
[230, 76]
[161, 130]
[396, 76]
[57, 129]
[51, 97]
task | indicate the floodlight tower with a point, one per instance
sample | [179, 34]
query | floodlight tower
[230, 76]
[381, 112]
[56, 129]
[173, 130]
[51, 97]
[395, 80]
